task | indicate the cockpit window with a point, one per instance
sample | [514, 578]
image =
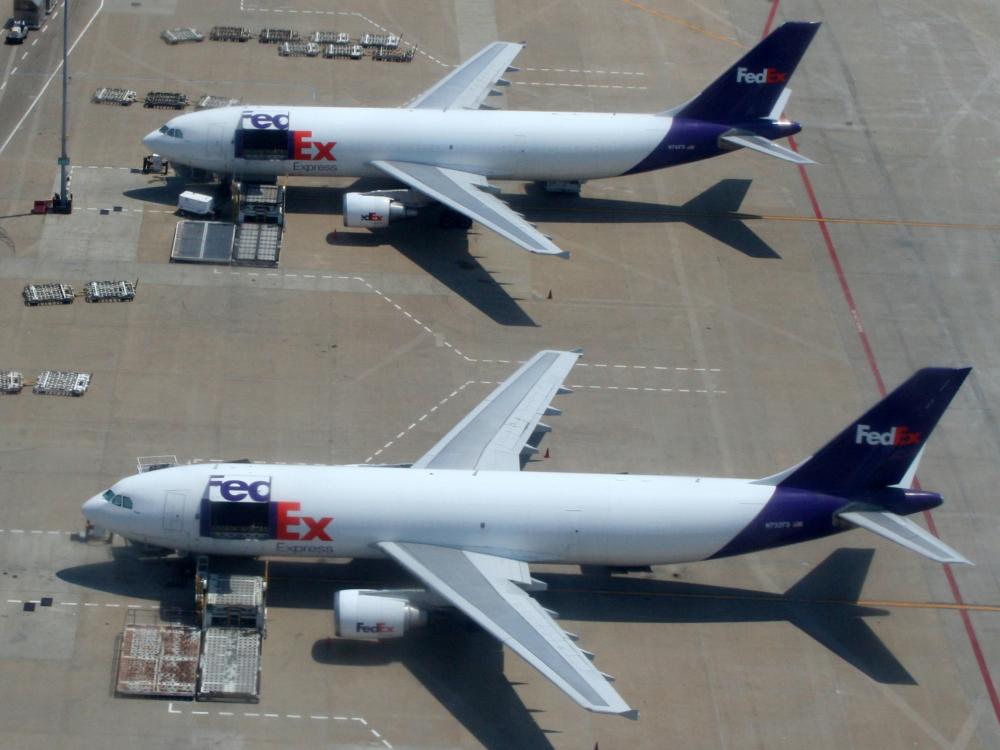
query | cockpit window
[171, 132]
[122, 501]
[164, 129]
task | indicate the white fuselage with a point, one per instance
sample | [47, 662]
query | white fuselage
[344, 511]
[496, 144]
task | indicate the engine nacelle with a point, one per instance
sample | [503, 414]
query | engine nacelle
[370, 614]
[373, 211]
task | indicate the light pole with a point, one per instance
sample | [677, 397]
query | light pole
[65, 202]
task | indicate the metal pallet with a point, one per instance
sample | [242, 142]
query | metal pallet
[123, 97]
[176, 36]
[380, 40]
[158, 660]
[109, 291]
[229, 34]
[299, 49]
[257, 244]
[278, 36]
[331, 37]
[230, 665]
[165, 100]
[388, 54]
[62, 383]
[203, 242]
[344, 51]
[11, 381]
[210, 101]
[47, 294]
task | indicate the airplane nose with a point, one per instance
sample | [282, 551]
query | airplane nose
[92, 508]
[150, 141]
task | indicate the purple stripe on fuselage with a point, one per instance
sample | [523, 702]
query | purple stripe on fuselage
[789, 517]
[685, 141]
[692, 140]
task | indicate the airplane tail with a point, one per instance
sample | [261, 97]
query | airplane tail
[872, 463]
[753, 87]
[878, 449]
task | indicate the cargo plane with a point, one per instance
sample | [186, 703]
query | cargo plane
[444, 147]
[467, 523]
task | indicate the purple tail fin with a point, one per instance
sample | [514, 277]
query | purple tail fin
[877, 449]
[750, 89]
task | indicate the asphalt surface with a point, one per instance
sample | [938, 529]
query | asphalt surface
[734, 313]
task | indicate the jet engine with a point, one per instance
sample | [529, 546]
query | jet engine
[369, 614]
[373, 211]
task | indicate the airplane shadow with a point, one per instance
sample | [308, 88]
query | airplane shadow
[463, 666]
[823, 605]
[444, 253]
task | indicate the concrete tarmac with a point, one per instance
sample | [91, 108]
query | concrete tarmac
[735, 314]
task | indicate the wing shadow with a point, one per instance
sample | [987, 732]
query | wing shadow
[441, 253]
[462, 667]
[715, 212]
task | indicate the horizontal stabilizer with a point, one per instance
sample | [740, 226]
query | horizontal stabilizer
[764, 146]
[906, 533]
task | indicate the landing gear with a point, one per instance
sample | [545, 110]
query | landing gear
[454, 220]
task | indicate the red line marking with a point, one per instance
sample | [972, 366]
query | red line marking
[831, 250]
[770, 17]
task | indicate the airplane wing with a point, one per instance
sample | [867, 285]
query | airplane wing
[494, 434]
[471, 82]
[465, 193]
[491, 591]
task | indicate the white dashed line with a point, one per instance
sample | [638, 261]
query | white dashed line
[578, 85]
[413, 425]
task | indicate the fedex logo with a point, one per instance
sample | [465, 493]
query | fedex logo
[767, 75]
[287, 518]
[898, 436]
[371, 216]
[306, 149]
[378, 627]
[264, 120]
[236, 488]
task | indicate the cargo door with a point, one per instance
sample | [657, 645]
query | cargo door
[173, 511]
